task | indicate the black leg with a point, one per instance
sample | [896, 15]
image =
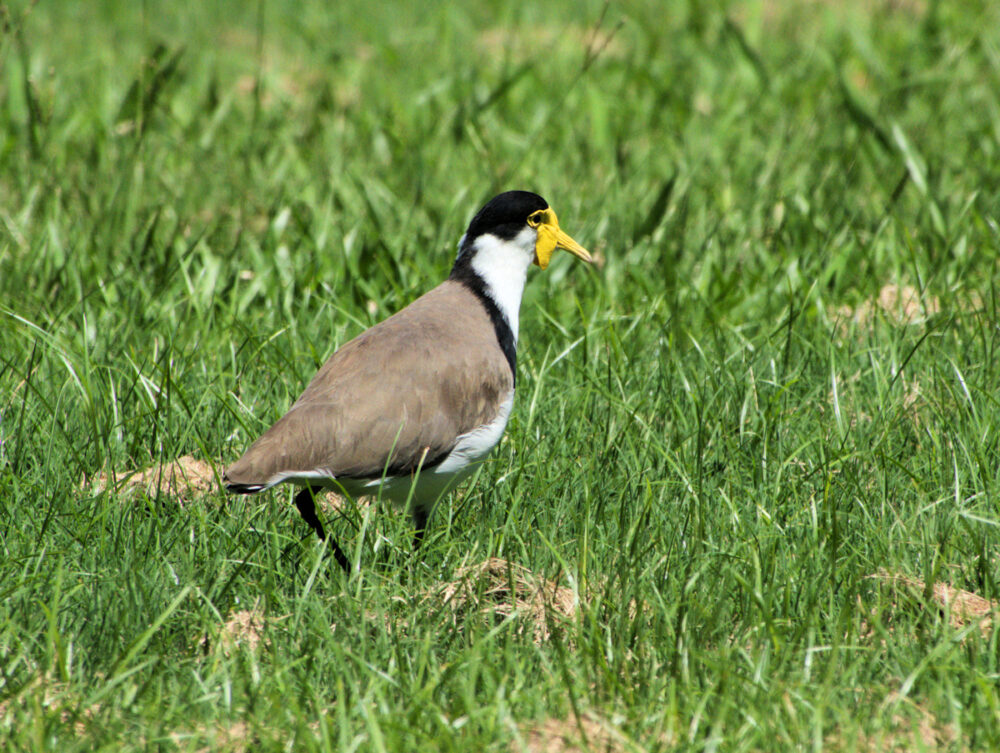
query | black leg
[420, 515]
[306, 503]
[307, 509]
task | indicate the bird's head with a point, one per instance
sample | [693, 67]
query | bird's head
[521, 220]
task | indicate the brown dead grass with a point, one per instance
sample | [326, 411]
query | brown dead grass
[501, 590]
[899, 304]
[184, 479]
[243, 628]
[961, 607]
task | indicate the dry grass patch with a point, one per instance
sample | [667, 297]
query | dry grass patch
[910, 727]
[572, 734]
[245, 628]
[900, 304]
[332, 502]
[184, 479]
[503, 590]
[235, 738]
[962, 608]
[187, 478]
[906, 304]
[530, 41]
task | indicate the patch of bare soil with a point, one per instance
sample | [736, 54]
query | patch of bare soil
[911, 727]
[331, 502]
[526, 42]
[235, 738]
[243, 628]
[503, 590]
[184, 479]
[572, 735]
[962, 608]
[900, 304]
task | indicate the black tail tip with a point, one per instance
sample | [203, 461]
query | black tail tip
[243, 488]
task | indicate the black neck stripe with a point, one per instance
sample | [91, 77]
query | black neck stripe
[465, 274]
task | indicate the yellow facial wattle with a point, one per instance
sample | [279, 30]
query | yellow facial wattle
[551, 237]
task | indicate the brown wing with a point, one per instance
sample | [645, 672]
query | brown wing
[397, 395]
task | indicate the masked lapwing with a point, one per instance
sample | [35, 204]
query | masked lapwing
[410, 407]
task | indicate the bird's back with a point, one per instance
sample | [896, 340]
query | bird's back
[394, 398]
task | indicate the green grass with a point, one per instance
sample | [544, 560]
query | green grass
[719, 436]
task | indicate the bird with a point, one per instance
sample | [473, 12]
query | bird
[411, 406]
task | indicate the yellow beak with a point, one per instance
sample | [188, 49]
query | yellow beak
[551, 237]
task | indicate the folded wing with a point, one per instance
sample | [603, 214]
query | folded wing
[398, 396]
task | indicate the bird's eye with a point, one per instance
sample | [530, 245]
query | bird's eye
[535, 219]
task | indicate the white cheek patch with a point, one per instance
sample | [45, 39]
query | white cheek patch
[503, 266]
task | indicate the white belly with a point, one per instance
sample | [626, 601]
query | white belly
[426, 488]
[421, 490]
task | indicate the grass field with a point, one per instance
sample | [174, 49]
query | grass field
[749, 497]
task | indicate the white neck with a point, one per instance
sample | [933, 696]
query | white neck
[503, 266]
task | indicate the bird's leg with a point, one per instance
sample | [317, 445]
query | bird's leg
[306, 504]
[420, 515]
[307, 509]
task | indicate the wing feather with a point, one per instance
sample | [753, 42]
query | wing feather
[396, 396]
